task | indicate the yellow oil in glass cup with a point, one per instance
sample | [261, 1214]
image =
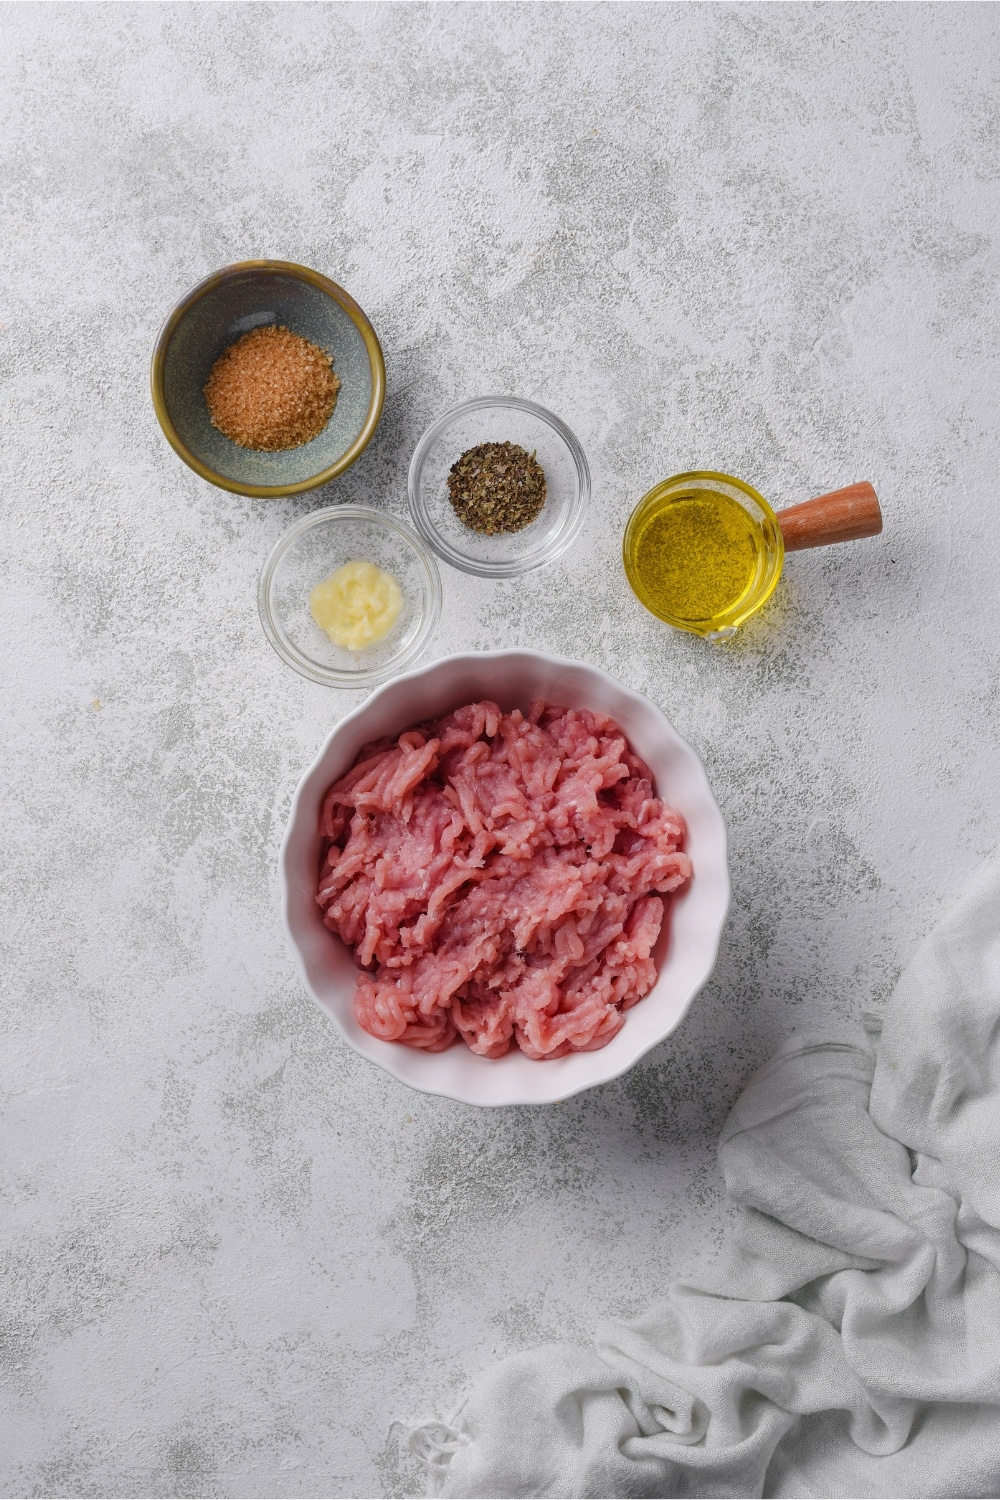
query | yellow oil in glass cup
[704, 552]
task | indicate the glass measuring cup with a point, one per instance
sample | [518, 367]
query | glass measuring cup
[704, 551]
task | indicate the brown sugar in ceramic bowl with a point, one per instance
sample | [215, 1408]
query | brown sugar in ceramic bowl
[217, 312]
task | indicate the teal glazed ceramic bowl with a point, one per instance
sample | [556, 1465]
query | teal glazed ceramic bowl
[217, 312]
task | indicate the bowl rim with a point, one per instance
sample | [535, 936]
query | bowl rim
[385, 1055]
[376, 363]
[514, 567]
[331, 676]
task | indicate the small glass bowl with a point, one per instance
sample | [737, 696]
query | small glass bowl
[309, 552]
[499, 419]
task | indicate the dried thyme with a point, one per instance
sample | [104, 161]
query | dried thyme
[496, 487]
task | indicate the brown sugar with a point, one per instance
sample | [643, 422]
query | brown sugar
[272, 389]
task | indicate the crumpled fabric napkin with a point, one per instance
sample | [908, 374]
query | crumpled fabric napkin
[849, 1343]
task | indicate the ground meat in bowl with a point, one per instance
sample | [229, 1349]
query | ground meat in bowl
[499, 878]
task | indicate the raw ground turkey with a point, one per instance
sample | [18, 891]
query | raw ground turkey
[499, 878]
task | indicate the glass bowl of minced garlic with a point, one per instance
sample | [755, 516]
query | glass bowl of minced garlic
[349, 596]
[268, 379]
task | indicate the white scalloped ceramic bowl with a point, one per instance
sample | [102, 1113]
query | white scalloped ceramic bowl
[687, 948]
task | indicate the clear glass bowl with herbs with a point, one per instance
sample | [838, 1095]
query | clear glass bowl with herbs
[496, 486]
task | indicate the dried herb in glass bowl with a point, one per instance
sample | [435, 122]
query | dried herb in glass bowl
[496, 487]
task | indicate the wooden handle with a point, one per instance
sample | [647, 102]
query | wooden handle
[842, 516]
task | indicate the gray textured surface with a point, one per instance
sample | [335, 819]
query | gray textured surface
[760, 239]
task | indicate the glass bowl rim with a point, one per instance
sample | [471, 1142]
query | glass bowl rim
[557, 544]
[333, 676]
[712, 478]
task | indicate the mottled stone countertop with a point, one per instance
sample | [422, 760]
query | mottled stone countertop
[760, 239]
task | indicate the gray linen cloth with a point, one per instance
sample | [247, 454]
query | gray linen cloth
[849, 1343]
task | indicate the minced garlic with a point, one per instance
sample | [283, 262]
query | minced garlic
[357, 605]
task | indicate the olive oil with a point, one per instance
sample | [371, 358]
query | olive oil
[702, 552]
